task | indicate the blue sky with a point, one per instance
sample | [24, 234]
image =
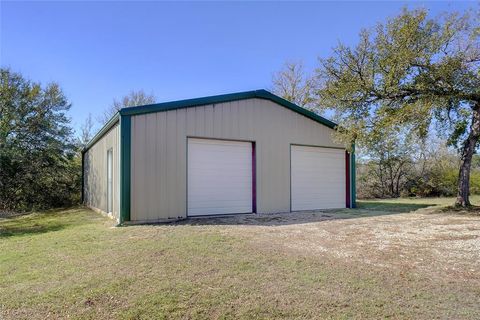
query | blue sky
[101, 50]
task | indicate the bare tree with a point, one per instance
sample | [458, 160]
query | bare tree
[295, 85]
[389, 162]
[134, 98]
[86, 131]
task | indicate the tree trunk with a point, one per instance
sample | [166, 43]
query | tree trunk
[466, 159]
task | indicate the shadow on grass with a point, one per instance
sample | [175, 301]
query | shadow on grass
[390, 207]
[10, 231]
[364, 209]
[37, 223]
[471, 211]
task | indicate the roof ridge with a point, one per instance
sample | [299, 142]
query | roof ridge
[194, 102]
[222, 98]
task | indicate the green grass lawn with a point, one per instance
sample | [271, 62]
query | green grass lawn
[74, 264]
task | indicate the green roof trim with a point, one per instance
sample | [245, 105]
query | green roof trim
[353, 174]
[113, 121]
[165, 106]
[260, 94]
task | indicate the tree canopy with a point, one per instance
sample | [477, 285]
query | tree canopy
[39, 166]
[414, 72]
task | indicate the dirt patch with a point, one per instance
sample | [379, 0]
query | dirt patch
[440, 245]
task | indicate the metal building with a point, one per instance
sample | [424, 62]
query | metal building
[248, 152]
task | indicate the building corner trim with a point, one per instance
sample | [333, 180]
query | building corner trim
[83, 177]
[125, 167]
[348, 196]
[353, 192]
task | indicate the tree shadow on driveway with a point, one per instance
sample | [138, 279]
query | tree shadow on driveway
[364, 209]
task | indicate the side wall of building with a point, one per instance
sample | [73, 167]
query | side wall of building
[159, 152]
[95, 172]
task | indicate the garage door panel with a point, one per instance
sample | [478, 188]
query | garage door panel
[205, 200]
[318, 178]
[219, 177]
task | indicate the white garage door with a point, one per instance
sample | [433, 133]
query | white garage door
[318, 178]
[219, 177]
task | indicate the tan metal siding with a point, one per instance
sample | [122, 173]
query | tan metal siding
[159, 151]
[95, 172]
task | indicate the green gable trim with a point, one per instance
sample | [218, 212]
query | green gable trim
[102, 131]
[260, 94]
[353, 191]
[125, 167]
[158, 107]
[289, 105]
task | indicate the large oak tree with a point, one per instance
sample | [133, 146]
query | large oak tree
[413, 71]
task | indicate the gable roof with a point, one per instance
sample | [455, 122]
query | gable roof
[260, 94]
[165, 106]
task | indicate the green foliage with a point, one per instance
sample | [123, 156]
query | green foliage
[428, 169]
[440, 178]
[437, 180]
[39, 163]
[440, 183]
[387, 163]
[412, 71]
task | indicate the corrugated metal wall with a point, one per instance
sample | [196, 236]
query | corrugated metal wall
[95, 172]
[159, 152]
